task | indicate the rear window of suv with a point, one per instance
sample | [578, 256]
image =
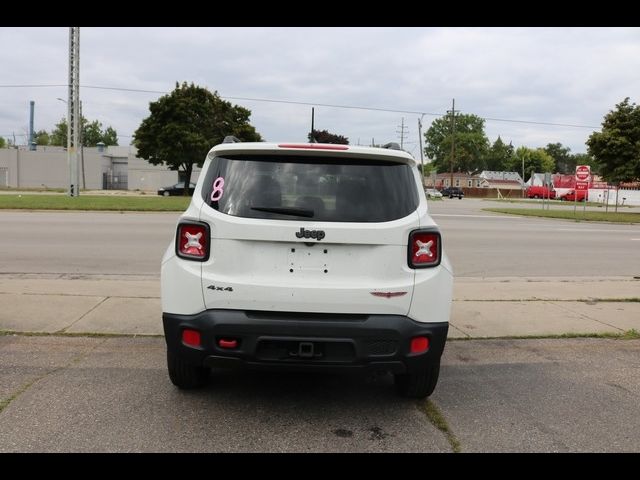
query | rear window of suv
[310, 188]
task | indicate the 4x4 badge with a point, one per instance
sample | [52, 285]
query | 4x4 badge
[220, 289]
[319, 234]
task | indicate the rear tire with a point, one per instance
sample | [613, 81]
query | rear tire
[184, 375]
[420, 383]
[165, 193]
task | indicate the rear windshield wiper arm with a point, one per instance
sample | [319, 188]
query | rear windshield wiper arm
[300, 212]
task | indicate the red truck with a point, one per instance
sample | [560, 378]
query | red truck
[540, 192]
[570, 196]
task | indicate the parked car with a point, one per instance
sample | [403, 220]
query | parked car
[452, 192]
[432, 193]
[570, 196]
[267, 270]
[177, 189]
[540, 192]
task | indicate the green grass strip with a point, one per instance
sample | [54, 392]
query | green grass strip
[437, 419]
[4, 333]
[554, 203]
[579, 215]
[632, 334]
[94, 202]
[5, 403]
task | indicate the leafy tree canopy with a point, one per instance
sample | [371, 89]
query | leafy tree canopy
[471, 143]
[92, 134]
[584, 159]
[323, 136]
[42, 137]
[617, 147]
[183, 126]
[534, 160]
[498, 156]
[564, 161]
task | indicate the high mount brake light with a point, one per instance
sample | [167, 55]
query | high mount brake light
[313, 146]
[192, 241]
[424, 249]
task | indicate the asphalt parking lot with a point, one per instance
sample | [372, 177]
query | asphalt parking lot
[113, 395]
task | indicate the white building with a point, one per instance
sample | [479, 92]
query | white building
[110, 168]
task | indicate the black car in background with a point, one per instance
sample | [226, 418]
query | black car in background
[177, 189]
[452, 192]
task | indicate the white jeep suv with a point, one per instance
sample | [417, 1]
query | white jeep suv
[311, 257]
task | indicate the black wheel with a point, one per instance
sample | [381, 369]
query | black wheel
[165, 193]
[420, 383]
[184, 375]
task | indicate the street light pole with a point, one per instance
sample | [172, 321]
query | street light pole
[421, 151]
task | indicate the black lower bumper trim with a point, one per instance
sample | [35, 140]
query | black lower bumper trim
[304, 342]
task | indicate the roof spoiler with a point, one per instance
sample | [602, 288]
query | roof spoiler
[231, 139]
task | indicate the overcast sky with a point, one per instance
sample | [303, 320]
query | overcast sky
[553, 75]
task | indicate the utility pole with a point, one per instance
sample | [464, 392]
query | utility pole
[523, 177]
[421, 151]
[73, 111]
[453, 138]
[84, 181]
[32, 139]
[312, 140]
[401, 132]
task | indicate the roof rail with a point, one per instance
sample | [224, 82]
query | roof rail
[392, 146]
[231, 139]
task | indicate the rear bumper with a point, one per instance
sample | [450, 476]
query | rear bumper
[303, 341]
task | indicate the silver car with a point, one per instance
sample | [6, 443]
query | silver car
[432, 193]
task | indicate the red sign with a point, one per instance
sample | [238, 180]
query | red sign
[582, 185]
[583, 173]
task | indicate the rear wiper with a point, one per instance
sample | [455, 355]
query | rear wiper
[299, 212]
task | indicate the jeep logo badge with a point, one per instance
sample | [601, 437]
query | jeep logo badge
[319, 234]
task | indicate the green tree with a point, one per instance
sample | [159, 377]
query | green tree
[59, 134]
[92, 134]
[617, 147]
[564, 161]
[471, 143]
[110, 136]
[534, 161]
[584, 159]
[3, 143]
[185, 124]
[323, 136]
[498, 155]
[42, 137]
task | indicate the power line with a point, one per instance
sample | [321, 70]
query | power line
[330, 105]
[33, 86]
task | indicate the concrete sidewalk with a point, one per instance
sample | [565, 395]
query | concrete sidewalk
[494, 307]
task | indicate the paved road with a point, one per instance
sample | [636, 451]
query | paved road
[484, 244]
[113, 395]
[84, 242]
[480, 244]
